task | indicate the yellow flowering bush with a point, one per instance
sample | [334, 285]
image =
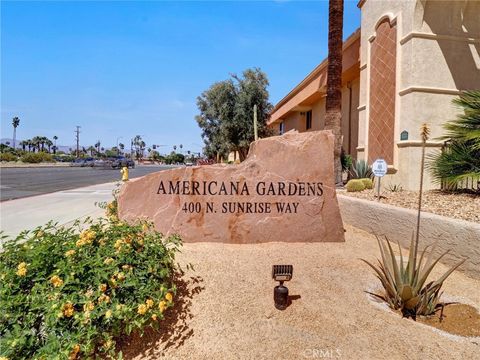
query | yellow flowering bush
[69, 295]
[56, 281]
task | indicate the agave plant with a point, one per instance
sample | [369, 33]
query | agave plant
[361, 170]
[405, 285]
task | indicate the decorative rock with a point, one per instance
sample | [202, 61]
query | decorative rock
[283, 191]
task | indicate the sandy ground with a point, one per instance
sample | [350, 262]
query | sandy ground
[225, 308]
[463, 206]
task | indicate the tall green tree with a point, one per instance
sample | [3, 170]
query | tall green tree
[226, 113]
[216, 105]
[15, 123]
[333, 103]
[55, 138]
[460, 159]
[139, 146]
[36, 141]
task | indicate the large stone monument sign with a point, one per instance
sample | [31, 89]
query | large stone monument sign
[283, 191]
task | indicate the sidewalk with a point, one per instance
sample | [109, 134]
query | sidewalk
[63, 207]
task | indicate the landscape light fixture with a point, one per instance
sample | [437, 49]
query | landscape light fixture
[281, 273]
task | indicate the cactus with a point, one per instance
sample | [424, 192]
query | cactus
[368, 183]
[355, 185]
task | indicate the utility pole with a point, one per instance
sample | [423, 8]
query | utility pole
[77, 136]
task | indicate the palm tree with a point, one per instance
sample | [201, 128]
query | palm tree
[23, 144]
[333, 104]
[55, 138]
[49, 143]
[460, 159]
[181, 147]
[28, 143]
[36, 143]
[43, 140]
[142, 148]
[15, 123]
[121, 147]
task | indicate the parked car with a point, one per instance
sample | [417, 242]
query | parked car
[83, 162]
[89, 161]
[102, 163]
[121, 161]
[78, 163]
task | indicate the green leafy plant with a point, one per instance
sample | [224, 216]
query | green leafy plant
[460, 159]
[71, 293]
[361, 170]
[346, 161]
[7, 157]
[395, 187]
[367, 182]
[355, 185]
[405, 285]
[35, 158]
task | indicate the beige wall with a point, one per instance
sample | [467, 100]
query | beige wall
[438, 54]
[397, 223]
[296, 120]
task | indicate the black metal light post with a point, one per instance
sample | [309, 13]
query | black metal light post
[281, 273]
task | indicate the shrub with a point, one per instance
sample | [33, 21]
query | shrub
[71, 294]
[368, 183]
[361, 170]
[7, 157]
[395, 187]
[405, 287]
[355, 185]
[460, 159]
[35, 158]
[346, 161]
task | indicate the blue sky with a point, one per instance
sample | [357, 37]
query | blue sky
[119, 69]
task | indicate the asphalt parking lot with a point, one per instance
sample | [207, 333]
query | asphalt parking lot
[17, 183]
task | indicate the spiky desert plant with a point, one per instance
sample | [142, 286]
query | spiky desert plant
[361, 170]
[355, 185]
[367, 182]
[424, 134]
[405, 285]
[460, 159]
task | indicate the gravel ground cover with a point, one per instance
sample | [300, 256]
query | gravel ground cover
[225, 309]
[464, 206]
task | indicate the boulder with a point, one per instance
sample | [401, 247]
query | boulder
[283, 191]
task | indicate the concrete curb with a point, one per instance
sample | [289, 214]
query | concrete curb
[461, 237]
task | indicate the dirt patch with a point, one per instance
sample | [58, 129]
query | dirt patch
[231, 314]
[462, 206]
[458, 319]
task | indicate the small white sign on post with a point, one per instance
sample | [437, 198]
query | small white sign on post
[379, 169]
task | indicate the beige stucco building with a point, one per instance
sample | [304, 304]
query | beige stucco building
[402, 68]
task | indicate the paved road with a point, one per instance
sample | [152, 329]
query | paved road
[17, 183]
